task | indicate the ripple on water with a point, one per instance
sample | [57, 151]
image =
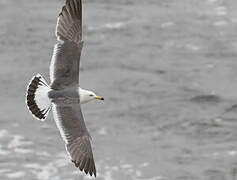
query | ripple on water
[192, 47]
[14, 175]
[167, 24]
[3, 171]
[18, 141]
[138, 173]
[145, 164]
[23, 150]
[108, 175]
[62, 162]
[221, 11]
[215, 174]
[89, 177]
[157, 178]
[220, 23]
[3, 133]
[3, 151]
[43, 153]
[212, 1]
[110, 26]
[49, 171]
[102, 131]
[126, 166]
[46, 172]
[232, 153]
[33, 166]
[209, 98]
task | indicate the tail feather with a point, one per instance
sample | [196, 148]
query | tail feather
[37, 97]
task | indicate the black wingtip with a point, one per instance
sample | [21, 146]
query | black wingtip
[87, 167]
[69, 25]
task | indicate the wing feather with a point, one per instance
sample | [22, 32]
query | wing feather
[64, 68]
[69, 24]
[71, 125]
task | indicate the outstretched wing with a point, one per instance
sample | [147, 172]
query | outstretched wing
[72, 128]
[64, 68]
[64, 72]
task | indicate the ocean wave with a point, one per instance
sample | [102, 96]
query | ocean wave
[14, 175]
[110, 26]
[3, 133]
[18, 141]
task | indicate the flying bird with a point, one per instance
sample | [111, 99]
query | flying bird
[64, 95]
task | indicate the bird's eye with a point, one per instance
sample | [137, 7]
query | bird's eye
[91, 95]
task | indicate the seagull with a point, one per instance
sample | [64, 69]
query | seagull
[63, 95]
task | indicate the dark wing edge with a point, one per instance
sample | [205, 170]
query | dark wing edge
[81, 154]
[69, 24]
[71, 125]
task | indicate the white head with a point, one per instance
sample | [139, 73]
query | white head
[86, 96]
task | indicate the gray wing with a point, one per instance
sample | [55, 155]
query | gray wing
[64, 72]
[64, 68]
[72, 128]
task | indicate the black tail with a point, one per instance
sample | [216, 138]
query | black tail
[37, 97]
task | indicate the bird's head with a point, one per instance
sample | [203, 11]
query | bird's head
[86, 96]
[92, 95]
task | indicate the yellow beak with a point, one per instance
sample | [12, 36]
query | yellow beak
[100, 98]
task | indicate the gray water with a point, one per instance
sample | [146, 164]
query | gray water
[167, 70]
